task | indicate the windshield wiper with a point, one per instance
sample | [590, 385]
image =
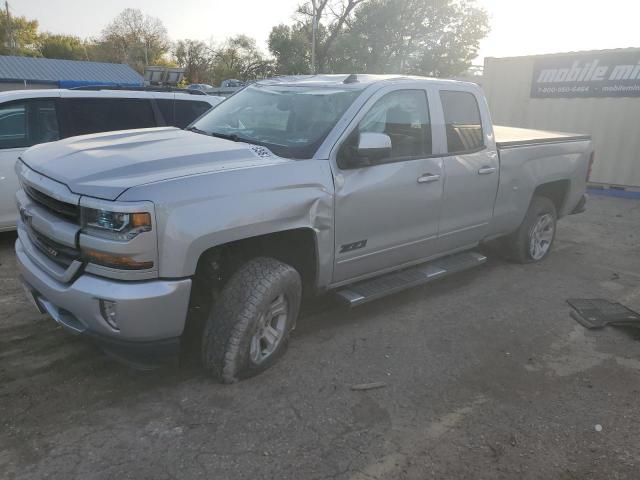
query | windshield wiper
[228, 136]
[235, 138]
[196, 130]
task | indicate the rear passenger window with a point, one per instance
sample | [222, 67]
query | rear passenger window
[131, 113]
[462, 121]
[13, 125]
[404, 116]
[26, 123]
[94, 115]
[43, 120]
[186, 111]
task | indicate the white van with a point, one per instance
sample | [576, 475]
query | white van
[30, 117]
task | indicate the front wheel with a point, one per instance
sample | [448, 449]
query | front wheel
[248, 327]
[533, 240]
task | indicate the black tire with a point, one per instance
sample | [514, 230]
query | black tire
[235, 318]
[518, 244]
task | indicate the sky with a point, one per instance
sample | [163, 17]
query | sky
[519, 27]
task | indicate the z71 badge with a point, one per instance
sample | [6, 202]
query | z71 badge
[348, 247]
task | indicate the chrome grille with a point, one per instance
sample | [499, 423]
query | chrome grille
[54, 251]
[67, 210]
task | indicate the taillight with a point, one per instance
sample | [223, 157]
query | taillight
[592, 158]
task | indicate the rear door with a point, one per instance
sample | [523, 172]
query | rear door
[23, 123]
[470, 167]
[87, 115]
[386, 213]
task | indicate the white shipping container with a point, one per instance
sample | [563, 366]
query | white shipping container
[613, 122]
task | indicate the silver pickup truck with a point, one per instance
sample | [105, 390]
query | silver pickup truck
[358, 185]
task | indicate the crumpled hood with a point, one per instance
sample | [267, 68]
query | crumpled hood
[104, 165]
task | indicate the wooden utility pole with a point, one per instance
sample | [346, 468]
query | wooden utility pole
[314, 29]
[9, 39]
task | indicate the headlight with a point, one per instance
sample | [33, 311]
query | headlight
[114, 225]
[118, 237]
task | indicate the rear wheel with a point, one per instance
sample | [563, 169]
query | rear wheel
[533, 240]
[249, 325]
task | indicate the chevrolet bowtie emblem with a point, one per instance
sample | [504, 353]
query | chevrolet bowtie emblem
[50, 251]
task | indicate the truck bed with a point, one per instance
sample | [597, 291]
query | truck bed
[513, 137]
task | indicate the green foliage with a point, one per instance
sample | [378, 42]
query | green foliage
[195, 57]
[290, 47]
[238, 58]
[420, 37]
[18, 37]
[65, 47]
[434, 38]
[131, 37]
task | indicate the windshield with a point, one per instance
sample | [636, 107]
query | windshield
[290, 121]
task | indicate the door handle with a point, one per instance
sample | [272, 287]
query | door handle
[487, 170]
[428, 178]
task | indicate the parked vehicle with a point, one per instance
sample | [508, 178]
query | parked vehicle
[359, 185]
[232, 83]
[199, 86]
[30, 117]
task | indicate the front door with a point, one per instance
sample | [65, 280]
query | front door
[386, 214]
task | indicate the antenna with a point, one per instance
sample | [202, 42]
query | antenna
[353, 78]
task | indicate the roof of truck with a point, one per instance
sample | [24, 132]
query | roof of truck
[355, 81]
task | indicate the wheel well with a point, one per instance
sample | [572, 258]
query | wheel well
[554, 191]
[215, 266]
[294, 247]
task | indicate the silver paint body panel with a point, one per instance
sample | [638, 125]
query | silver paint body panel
[207, 191]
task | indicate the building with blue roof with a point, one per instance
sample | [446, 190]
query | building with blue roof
[28, 72]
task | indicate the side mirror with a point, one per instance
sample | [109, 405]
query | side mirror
[374, 146]
[371, 148]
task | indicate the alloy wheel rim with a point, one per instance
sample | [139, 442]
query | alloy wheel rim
[269, 330]
[541, 236]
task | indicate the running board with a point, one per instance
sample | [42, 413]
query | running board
[378, 287]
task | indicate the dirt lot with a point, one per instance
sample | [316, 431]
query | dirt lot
[487, 377]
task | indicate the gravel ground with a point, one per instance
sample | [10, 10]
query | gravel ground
[486, 377]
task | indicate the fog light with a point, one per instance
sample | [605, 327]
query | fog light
[109, 313]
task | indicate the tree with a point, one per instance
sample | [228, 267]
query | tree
[18, 36]
[289, 46]
[335, 15]
[240, 58]
[422, 37]
[140, 39]
[100, 50]
[195, 57]
[433, 37]
[65, 47]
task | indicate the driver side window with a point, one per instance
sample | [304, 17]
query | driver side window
[403, 115]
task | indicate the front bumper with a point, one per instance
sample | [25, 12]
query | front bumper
[150, 314]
